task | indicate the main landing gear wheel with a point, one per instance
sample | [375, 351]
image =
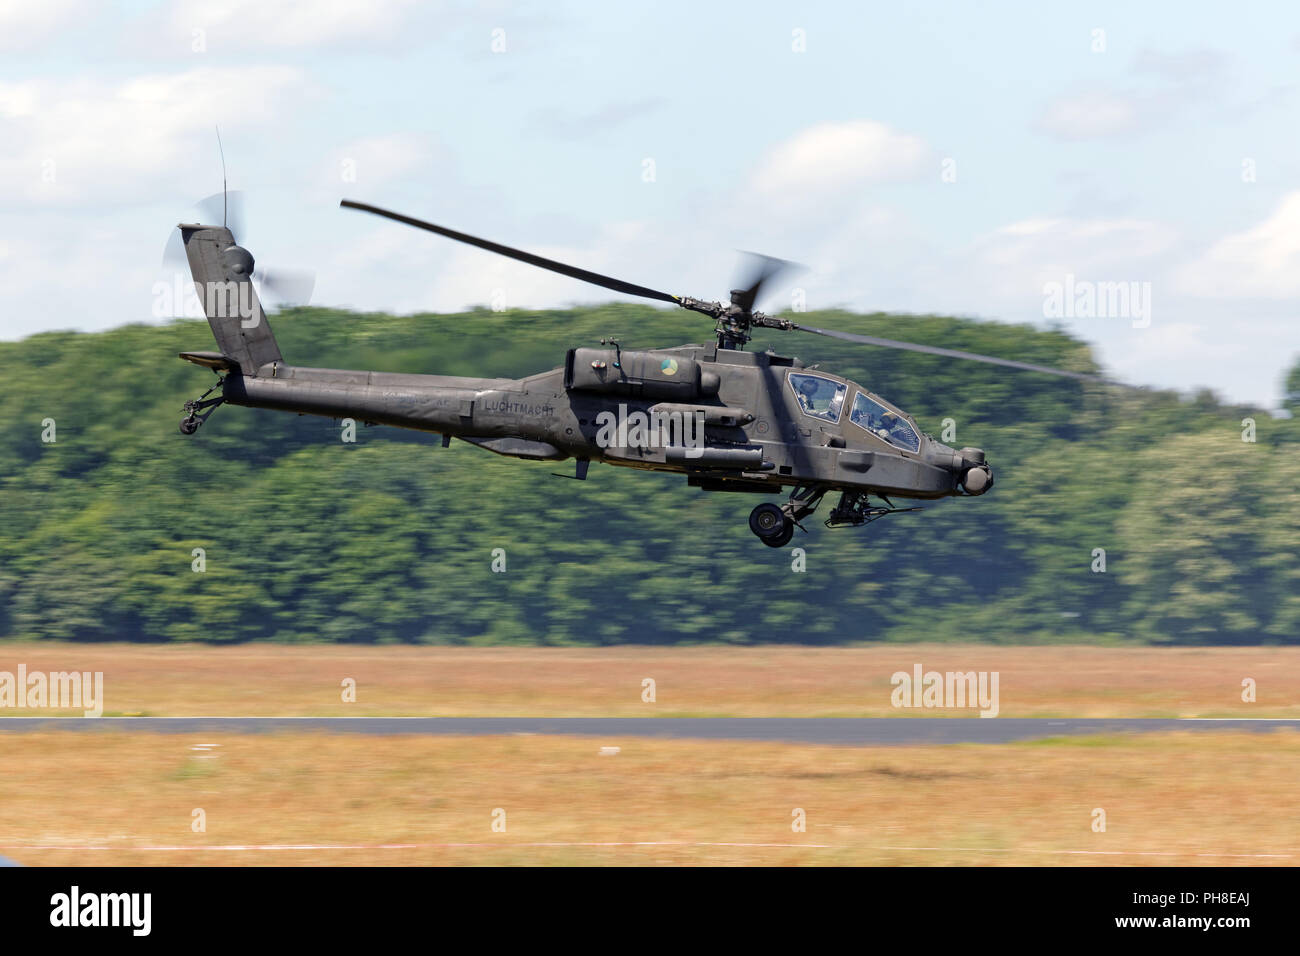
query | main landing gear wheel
[771, 525]
[190, 425]
[782, 537]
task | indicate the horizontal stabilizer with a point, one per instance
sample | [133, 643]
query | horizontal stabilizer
[213, 360]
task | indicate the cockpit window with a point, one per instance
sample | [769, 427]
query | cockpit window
[819, 397]
[883, 423]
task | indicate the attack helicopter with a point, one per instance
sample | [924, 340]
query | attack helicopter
[725, 418]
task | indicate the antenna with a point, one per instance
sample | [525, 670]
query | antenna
[222, 150]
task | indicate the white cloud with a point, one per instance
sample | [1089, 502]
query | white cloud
[1194, 344]
[570, 124]
[81, 140]
[1165, 86]
[239, 24]
[70, 280]
[1260, 262]
[814, 198]
[1182, 345]
[1191, 66]
[831, 158]
[373, 163]
[807, 198]
[25, 23]
[1018, 258]
[1079, 240]
[1180, 81]
[1091, 116]
[1191, 339]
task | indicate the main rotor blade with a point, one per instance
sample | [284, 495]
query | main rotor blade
[955, 353]
[765, 269]
[595, 278]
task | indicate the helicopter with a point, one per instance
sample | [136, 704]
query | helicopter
[726, 418]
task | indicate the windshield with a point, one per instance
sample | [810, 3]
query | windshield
[819, 397]
[883, 423]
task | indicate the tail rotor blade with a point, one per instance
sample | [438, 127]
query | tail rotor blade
[224, 209]
[287, 287]
[173, 257]
[174, 270]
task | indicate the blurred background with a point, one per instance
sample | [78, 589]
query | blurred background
[922, 161]
[389, 539]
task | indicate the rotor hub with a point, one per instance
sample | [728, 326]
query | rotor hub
[238, 261]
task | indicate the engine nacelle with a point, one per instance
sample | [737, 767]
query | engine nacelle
[638, 374]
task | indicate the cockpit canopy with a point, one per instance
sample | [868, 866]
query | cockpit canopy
[822, 397]
[819, 397]
[884, 423]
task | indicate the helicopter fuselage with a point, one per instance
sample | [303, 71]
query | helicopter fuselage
[728, 419]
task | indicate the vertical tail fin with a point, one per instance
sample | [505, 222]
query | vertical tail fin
[222, 271]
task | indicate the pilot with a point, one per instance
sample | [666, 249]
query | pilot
[888, 425]
[807, 394]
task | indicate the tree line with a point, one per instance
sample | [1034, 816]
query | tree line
[1118, 516]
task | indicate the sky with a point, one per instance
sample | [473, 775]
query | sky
[1127, 171]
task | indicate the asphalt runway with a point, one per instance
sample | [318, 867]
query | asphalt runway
[833, 731]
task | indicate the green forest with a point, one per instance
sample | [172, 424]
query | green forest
[305, 537]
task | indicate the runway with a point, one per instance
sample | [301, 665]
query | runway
[830, 731]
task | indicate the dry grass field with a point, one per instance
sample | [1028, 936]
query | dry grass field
[1173, 799]
[306, 798]
[266, 680]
